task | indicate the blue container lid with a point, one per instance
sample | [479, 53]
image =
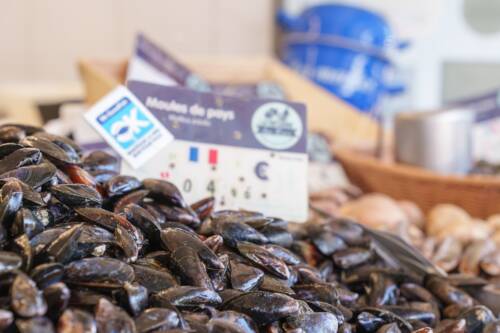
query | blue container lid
[348, 22]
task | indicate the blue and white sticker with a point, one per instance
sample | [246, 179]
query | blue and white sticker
[128, 127]
[277, 125]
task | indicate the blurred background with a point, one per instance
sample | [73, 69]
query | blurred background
[41, 40]
[454, 43]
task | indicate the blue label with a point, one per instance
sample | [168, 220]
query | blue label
[125, 122]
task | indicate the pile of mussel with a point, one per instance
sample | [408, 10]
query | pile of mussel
[85, 249]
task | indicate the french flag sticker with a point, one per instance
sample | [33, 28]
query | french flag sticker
[194, 155]
[212, 156]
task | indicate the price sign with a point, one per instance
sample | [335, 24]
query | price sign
[248, 154]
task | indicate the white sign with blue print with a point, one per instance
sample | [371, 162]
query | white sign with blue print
[128, 126]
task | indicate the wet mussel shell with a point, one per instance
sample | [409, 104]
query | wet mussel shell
[111, 318]
[133, 297]
[11, 133]
[245, 277]
[57, 296]
[99, 272]
[32, 175]
[164, 191]
[121, 184]
[155, 279]
[186, 297]
[46, 274]
[153, 319]
[264, 307]
[26, 222]
[8, 148]
[35, 325]
[19, 158]
[76, 195]
[313, 322]
[75, 320]
[51, 150]
[9, 261]
[265, 259]
[26, 299]
[101, 161]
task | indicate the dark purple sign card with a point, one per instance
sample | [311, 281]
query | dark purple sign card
[210, 118]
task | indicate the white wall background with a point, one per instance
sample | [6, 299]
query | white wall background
[42, 39]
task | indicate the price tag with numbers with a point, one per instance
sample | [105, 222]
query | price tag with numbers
[248, 154]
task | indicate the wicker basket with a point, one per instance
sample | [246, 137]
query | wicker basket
[479, 195]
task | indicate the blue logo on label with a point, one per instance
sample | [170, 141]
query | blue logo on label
[277, 125]
[125, 122]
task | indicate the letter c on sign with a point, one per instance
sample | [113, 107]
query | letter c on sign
[261, 170]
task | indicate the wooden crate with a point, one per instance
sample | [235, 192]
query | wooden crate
[326, 113]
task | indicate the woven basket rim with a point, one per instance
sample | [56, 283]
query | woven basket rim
[360, 160]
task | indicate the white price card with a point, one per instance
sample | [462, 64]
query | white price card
[151, 63]
[248, 154]
[147, 63]
[128, 127]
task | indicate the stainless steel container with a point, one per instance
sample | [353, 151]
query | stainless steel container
[439, 140]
